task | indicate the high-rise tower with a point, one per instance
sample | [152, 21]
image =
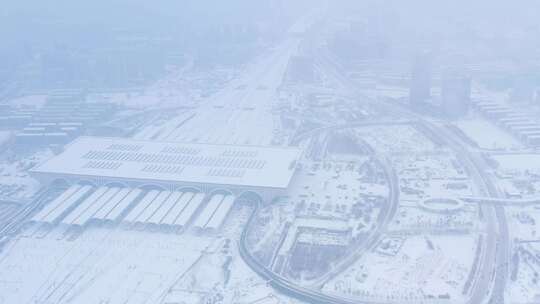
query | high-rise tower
[420, 89]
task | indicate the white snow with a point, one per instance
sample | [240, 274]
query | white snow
[487, 135]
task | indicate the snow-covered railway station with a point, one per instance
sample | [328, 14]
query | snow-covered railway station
[205, 167]
[157, 185]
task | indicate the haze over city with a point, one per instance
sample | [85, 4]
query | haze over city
[269, 152]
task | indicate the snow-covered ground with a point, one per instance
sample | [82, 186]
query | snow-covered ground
[524, 284]
[518, 161]
[120, 265]
[487, 135]
[432, 166]
[29, 101]
[333, 184]
[241, 111]
[396, 139]
[15, 182]
[425, 265]
[100, 265]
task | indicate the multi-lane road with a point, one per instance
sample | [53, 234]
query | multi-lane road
[281, 283]
[493, 272]
[490, 281]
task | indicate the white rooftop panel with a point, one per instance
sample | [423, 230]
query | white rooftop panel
[165, 208]
[190, 210]
[221, 213]
[254, 166]
[102, 213]
[81, 208]
[175, 211]
[56, 202]
[95, 207]
[141, 206]
[208, 211]
[123, 205]
[66, 205]
[153, 207]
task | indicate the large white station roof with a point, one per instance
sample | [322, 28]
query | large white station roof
[120, 158]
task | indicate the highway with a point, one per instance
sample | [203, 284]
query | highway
[502, 201]
[283, 284]
[312, 294]
[492, 276]
[490, 281]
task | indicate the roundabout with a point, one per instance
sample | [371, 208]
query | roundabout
[441, 205]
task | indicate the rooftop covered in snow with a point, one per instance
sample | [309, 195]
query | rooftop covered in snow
[171, 162]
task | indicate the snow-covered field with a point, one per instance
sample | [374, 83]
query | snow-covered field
[119, 265]
[333, 180]
[32, 101]
[99, 266]
[410, 217]
[15, 182]
[396, 139]
[425, 265]
[524, 227]
[427, 167]
[487, 135]
[240, 112]
[518, 161]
